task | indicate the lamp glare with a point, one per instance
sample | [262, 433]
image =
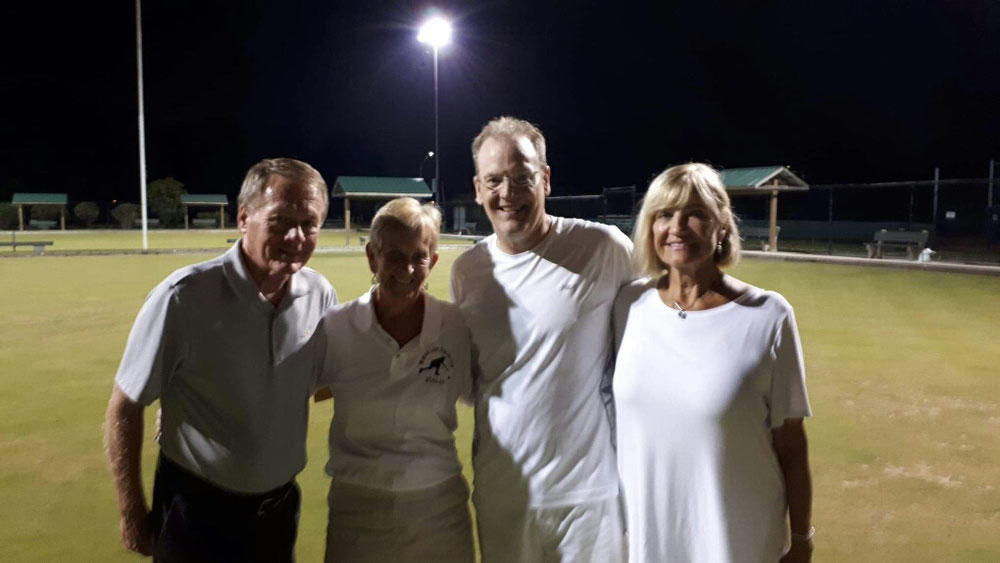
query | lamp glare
[435, 32]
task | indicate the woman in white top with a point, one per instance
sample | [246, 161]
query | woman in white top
[709, 389]
[396, 361]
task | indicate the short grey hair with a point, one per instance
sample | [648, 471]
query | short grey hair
[410, 214]
[256, 179]
[512, 127]
[675, 188]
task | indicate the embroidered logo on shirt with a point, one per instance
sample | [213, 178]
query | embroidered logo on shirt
[435, 365]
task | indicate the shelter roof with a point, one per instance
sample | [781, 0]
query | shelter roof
[762, 179]
[205, 199]
[38, 199]
[379, 187]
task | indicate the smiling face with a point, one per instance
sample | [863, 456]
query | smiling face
[281, 229]
[402, 261]
[511, 185]
[685, 238]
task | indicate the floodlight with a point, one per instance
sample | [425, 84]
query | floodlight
[435, 32]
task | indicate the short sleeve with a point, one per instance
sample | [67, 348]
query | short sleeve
[620, 261]
[329, 356]
[153, 349]
[789, 398]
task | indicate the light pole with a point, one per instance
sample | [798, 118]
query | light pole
[436, 32]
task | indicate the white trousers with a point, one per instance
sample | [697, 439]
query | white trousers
[373, 525]
[591, 532]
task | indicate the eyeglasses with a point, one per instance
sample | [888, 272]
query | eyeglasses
[520, 181]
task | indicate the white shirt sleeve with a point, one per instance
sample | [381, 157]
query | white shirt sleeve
[789, 398]
[154, 347]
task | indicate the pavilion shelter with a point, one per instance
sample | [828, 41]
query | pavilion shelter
[25, 199]
[205, 200]
[764, 181]
[350, 188]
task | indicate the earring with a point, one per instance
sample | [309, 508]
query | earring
[374, 279]
[427, 285]
[718, 249]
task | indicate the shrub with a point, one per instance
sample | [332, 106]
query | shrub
[8, 216]
[125, 214]
[46, 212]
[86, 212]
[164, 196]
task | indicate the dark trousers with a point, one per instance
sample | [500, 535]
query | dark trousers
[199, 522]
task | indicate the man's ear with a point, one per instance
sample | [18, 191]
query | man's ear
[475, 184]
[548, 180]
[241, 218]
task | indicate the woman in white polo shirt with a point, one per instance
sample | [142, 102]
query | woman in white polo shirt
[397, 360]
[710, 392]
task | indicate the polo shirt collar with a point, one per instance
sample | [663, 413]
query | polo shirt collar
[238, 276]
[430, 329]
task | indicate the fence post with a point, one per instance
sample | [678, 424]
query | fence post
[829, 227]
[934, 213]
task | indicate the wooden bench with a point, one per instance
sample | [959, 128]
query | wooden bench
[42, 224]
[761, 233]
[38, 244]
[912, 241]
[204, 223]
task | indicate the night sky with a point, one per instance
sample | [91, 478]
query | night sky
[838, 91]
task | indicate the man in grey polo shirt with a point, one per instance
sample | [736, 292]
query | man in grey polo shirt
[229, 348]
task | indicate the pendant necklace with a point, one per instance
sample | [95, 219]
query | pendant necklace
[680, 310]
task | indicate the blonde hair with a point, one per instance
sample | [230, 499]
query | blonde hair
[409, 214]
[256, 179]
[677, 187]
[512, 127]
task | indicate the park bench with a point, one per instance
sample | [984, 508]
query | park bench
[42, 224]
[39, 245]
[912, 241]
[200, 222]
[759, 233]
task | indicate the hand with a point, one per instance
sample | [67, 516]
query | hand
[800, 552]
[137, 534]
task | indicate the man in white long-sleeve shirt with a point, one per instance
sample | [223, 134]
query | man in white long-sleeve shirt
[537, 296]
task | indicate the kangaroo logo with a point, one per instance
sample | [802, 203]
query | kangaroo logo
[438, 362]
[435, 365]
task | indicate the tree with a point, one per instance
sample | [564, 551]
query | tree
[8, 216]
[164, 196]
[86, 212]
[125, 214]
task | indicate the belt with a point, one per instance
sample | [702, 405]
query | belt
[180, 479]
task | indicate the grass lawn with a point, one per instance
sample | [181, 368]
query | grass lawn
[902, 369]
[159, 239]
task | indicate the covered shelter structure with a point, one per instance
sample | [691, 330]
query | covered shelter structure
[205, 200]
[765, 181]
[26, 199]
[350, 188]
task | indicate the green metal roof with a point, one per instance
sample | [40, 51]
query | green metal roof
[762, 178]
[204, 199]
[39, 199]
[380, 187]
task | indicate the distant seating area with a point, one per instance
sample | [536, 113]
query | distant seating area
[42, 224]
[760, 233]
[912, 241]
[204, 223]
